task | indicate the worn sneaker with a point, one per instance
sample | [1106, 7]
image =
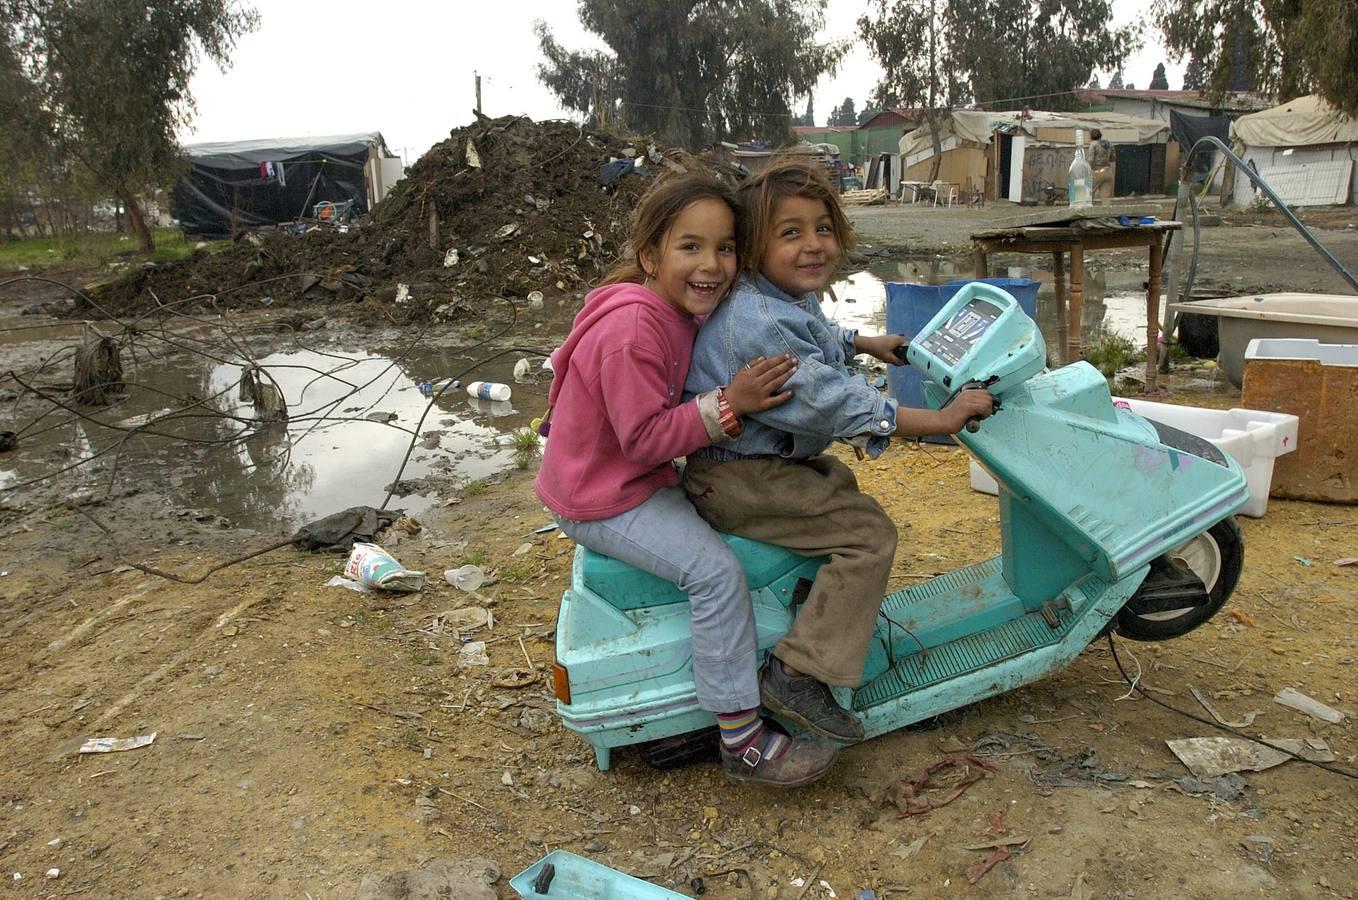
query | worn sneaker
[800, 762]
[807, 702]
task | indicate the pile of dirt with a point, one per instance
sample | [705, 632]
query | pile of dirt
[502, 208]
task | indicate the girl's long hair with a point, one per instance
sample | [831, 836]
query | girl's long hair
[657, 212]
[785, 176]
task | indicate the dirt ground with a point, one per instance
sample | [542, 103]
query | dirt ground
[308, 736]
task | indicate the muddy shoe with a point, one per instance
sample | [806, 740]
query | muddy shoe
[807, 702]
[802, 762]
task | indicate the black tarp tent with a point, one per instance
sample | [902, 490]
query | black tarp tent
[238, 185]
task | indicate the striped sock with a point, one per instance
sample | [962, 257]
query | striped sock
[744, 729]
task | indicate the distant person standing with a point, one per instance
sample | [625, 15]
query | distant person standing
[1101, 162]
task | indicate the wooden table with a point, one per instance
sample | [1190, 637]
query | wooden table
[1076, 238]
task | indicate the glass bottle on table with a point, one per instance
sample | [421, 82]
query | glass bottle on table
[1080, 178]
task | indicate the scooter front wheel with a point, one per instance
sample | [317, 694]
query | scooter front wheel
[1216, 557]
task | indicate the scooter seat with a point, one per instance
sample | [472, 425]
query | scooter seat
[625, 587]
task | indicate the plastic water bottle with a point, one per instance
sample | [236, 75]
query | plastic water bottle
[488, 390]
[430, 388]
[1080, 179]
[467, 578]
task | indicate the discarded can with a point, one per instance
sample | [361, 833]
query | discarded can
[430, 388]
[488, 390]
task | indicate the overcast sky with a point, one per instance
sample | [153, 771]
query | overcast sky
[405, 68]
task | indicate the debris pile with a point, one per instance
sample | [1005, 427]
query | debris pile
[502, 208]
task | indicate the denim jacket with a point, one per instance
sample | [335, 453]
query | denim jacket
[828, 401]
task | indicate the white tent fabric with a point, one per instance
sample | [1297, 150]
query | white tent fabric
[976, 126]
[1302, 122]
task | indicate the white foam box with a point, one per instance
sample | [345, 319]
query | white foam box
[1253, 438]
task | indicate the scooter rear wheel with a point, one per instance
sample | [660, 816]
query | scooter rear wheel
[1216, 556]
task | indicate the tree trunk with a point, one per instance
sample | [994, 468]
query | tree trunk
[146, 242]
[931, 117]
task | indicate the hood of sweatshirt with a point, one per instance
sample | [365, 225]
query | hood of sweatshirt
[599, 303]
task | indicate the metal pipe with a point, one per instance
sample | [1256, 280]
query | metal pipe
[1277, 201]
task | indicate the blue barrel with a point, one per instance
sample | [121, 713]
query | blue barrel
[909, 307]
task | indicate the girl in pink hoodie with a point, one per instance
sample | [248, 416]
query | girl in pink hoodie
[608, 473]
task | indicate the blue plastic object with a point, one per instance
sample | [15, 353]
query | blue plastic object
[909, 307]
[1089, 495]
[577, 878]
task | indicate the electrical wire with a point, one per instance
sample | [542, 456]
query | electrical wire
[1136, 686]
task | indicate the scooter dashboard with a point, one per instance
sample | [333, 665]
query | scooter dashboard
[981, 335]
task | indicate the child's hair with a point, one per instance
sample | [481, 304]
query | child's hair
[785, 177]
[656, 213]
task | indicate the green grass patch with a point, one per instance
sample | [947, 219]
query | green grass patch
[96, 249]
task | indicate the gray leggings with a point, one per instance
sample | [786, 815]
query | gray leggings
[666, 537]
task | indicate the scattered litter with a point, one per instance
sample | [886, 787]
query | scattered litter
[465, 578]
[1347, 561]
[473, 158]
[473, 654]
[977, 872]
[526, 547]
[1246, 722]
[402, 293]
[341, 581]
[430, 388]
[515, 678]
[1294, 699]
[906, 793]
[375, 567]
[337, 532]
[911, 848]
[1303, 560]
[507, 232]
[546, 528]
[465, 618]
[117, 745]
[489, 390]
[1229, 787]
[451, 258]
[1208, 757]
[535, 299]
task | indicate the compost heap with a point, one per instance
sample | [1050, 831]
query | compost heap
[501, 208]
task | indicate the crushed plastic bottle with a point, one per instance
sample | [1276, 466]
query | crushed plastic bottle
[430, 388]
[466, 578]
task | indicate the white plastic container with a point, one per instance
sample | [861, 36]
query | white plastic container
[1251, 437]
[488, 390]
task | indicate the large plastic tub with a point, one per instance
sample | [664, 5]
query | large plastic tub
[909, 307]
[1254, 438]
[1318, 383]
[1321, 317]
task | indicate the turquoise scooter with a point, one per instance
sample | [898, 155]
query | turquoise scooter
[1108, 521]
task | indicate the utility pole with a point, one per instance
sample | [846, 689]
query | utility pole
[478, 91]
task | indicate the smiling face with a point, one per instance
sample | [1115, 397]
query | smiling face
[693, 266]
[801, 252]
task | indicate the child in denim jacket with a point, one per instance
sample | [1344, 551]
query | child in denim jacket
[774, 483]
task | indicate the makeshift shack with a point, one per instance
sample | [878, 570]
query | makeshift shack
[1013, 155]
[1304, 149]
[236, 186]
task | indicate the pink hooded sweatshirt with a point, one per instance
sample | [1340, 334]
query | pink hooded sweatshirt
[617, 421]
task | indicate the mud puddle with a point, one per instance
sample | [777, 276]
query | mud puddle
[185, 430]
[1114, 301]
